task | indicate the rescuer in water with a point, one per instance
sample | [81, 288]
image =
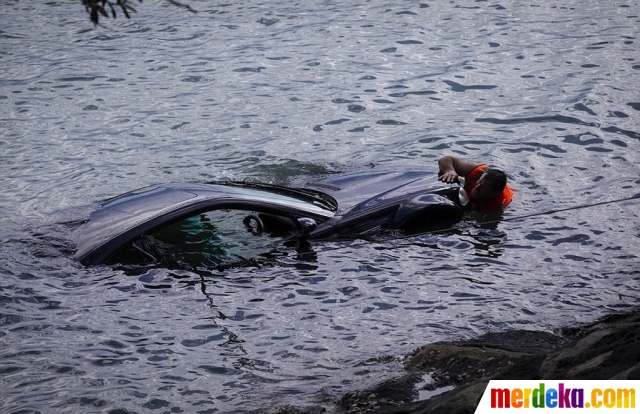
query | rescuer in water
[482, 187]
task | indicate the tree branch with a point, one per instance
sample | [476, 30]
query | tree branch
[98, 8]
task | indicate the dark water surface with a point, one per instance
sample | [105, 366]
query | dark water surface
[280, 91]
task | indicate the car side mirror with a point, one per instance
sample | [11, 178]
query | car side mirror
[306, 226]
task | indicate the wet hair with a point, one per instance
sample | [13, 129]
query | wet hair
[497, 178]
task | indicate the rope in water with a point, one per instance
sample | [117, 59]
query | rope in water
[558, 210]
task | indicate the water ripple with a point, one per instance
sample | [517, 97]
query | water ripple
[286, 92]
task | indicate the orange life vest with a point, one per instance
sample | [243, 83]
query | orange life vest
[471, 180]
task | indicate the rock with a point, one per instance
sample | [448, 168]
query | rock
[389, 393]
[606, 349]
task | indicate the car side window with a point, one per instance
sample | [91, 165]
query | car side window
[213, 238]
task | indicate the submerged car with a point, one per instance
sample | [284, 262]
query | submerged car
[216, 222]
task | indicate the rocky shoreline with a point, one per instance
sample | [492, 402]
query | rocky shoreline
[459, 371]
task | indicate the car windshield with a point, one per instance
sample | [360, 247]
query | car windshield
[213, 238]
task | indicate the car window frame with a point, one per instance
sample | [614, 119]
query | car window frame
[111, 247]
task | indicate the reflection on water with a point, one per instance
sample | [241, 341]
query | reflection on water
[284, 92]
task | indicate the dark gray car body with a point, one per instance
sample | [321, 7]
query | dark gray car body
[341, 205]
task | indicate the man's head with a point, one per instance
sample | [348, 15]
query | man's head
[489, 186]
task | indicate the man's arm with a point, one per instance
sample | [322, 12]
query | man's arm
[453, 167]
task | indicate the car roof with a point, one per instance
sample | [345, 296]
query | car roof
[122, 219]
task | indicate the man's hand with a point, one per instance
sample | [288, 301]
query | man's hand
[452, 168]
[449, 177]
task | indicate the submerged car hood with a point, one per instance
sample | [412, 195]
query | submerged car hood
[359, 191]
